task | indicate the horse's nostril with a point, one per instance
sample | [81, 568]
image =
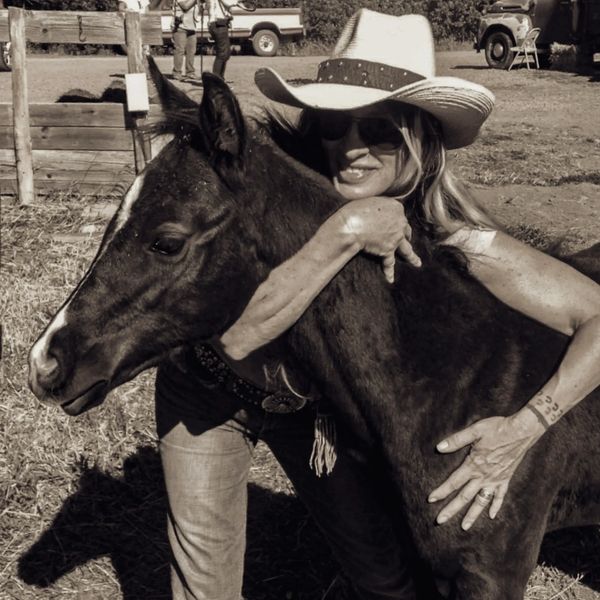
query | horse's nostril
[48, 371]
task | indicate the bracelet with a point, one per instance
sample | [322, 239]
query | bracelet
[539, 415]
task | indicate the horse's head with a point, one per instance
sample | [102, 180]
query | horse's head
[177, 262]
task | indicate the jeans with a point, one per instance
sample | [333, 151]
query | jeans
[220, 33]
[207, 438]
[184, 41]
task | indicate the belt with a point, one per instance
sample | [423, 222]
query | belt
[215, 371]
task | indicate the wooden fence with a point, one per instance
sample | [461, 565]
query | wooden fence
[95, 148]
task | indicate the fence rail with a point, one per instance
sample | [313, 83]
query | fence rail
[83, 146]
[81, 27]
[89, 146]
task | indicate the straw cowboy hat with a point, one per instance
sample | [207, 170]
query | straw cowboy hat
[383, 57]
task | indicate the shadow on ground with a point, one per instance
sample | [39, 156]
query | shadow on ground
[576, 552]
[124, 518]
[471, 67]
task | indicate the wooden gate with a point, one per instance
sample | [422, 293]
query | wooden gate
[94, 147]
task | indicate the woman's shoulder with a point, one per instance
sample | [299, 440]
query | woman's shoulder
[470, 239]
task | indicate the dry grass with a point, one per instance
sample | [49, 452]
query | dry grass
[82, 503]
[82, 507]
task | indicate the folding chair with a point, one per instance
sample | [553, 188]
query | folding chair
[527, 49]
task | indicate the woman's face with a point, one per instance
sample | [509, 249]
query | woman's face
[363, 150]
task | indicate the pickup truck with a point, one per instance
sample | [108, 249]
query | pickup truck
[261, 30]
[505, 24]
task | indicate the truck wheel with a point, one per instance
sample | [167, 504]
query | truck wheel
[497, 50]
[265, 43]
[5, 56]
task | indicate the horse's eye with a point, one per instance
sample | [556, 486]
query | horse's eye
[167, 245]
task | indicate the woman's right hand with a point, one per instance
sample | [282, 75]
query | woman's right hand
[380, 227]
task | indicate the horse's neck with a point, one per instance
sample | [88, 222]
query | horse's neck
[286, 204]
[441, 341]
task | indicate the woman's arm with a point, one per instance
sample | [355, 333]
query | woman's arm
[560, 297]
[375, 225]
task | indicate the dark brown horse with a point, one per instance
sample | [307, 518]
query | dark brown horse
[405, 365]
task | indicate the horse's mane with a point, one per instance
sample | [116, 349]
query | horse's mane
[181, 122]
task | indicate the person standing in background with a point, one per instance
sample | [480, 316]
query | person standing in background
[140, 6]
[185, 17]
[219, 17]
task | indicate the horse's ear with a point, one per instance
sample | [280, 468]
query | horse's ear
[221, 122]
[171, 97]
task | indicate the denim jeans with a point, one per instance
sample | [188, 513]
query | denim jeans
[206, 442]
[185, 45]
[220, 33]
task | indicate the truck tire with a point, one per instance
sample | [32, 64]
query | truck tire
[265, 43]
[498, 53]
[4, 56]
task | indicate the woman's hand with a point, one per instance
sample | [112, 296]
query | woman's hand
[498, 446]
[379, 226]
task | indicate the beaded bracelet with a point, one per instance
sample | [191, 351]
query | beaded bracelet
[539, 415]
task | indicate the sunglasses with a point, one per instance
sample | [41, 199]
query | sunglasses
[374, 131]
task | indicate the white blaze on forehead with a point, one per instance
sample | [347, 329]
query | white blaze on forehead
[39, 351]
[130, 198]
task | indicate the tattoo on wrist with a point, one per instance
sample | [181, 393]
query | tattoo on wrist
[547, 407]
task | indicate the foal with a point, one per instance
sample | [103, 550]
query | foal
[405, 365]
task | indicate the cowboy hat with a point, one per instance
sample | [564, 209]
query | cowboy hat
[383, 57]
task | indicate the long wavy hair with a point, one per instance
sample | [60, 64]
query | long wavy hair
[430, 192]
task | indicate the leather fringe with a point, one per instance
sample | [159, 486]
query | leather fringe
[323, 455]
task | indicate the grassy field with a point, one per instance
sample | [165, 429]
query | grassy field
[82, 506]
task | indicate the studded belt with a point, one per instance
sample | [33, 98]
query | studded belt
[216, 372]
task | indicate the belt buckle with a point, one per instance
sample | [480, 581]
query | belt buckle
[282, 403]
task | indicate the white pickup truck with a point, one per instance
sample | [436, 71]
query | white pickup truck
[261, 30]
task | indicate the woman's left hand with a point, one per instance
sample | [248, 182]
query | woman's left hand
[498, 446]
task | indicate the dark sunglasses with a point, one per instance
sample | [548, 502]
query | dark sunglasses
[374, 131]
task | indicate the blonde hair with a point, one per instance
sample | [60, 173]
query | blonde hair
[445, 204]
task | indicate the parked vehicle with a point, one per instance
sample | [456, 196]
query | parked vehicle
[506, 23]
[261, 30]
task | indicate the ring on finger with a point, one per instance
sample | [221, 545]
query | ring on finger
[484, 496]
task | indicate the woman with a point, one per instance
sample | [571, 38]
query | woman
[377, 122]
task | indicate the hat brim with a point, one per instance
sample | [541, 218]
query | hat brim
[460, 106]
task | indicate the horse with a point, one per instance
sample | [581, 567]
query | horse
[404, 365]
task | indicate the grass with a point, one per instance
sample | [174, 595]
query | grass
[82, 504]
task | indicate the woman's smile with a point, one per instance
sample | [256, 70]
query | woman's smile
[354, 174]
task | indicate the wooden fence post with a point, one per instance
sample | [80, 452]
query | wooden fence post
[22, 134]
[136, 63]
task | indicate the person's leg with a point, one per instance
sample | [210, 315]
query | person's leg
[205, 468]
[179, 39]
[220, 34]
[190, 52]
[347, 506]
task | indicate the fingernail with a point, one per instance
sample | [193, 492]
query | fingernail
[493, 515]
[432, 499]
[442, 519]
[418, 262]
[442, 445]
[467, 525]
